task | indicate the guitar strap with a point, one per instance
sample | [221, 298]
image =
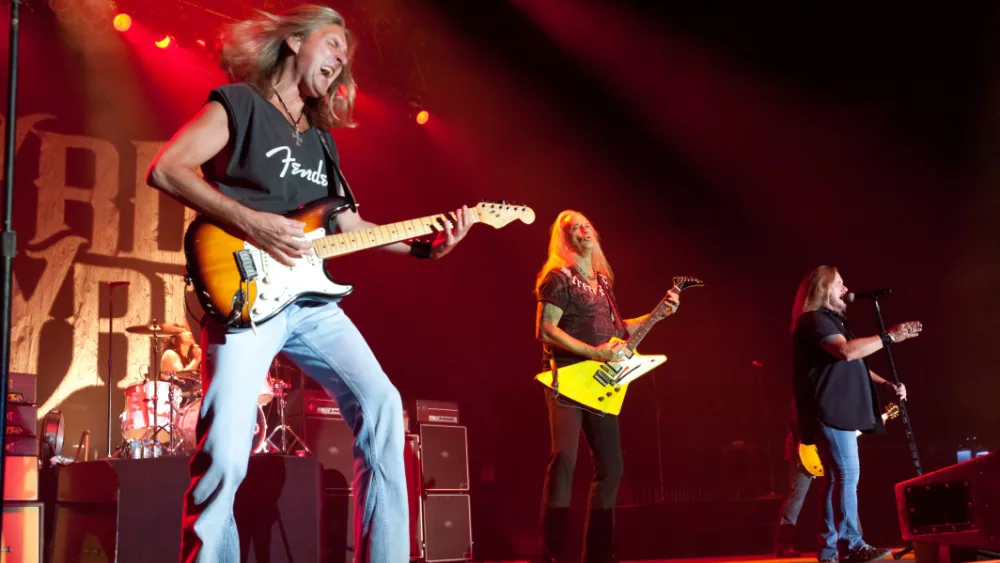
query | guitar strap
[334, 165]
[612, 302]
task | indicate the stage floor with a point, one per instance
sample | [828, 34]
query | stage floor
[764, 558]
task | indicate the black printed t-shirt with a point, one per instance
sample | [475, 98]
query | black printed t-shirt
[587, 314]
[828, 390]
[261, 166]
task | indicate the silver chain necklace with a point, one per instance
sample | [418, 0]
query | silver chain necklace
[295, 126]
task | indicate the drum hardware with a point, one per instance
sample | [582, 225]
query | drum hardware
[129, 448]
[280, 391]
[111, 316]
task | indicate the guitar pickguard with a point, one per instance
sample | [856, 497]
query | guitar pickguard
[278, 285]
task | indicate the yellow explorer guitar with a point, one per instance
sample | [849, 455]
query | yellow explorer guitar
[809, 455]
[601, 386]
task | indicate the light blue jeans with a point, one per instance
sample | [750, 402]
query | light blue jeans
[839, 527]
[326, 345]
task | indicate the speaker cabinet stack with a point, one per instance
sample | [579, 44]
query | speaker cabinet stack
[437, 480]
[444, 483]
[22, 513]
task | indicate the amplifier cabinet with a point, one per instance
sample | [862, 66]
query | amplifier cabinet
[444, 459]
[22, 420]
[447, 528]
[22, 388]
[332, 442]
[20, 478]
[21, 541]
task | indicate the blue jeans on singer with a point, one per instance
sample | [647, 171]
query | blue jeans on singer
[325, 344]
[839, 528]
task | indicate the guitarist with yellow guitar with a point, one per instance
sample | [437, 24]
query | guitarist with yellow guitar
[587, 367]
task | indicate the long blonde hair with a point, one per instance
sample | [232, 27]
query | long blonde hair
[813, 291]
[561, 252]
[255, 51]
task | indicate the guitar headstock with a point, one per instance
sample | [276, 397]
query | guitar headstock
[891, 411]
[499, 214]
[687, 282]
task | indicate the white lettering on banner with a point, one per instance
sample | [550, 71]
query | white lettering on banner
[67, 259]
[315, 176]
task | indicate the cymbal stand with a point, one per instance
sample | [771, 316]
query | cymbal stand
[286, 446]
[156, 396]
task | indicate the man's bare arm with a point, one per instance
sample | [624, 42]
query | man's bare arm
[174, 172]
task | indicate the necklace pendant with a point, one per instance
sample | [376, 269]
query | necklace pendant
[298, 138]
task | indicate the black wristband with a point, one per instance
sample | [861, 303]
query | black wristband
[886, 339]
[420, 249]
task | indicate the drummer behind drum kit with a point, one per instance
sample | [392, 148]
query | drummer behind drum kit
[161, 411]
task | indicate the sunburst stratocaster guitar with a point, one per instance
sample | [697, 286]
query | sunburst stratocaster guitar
[601, 386]
[809, 455]
[240, 285]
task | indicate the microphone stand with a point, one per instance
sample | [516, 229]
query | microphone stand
[904, 415]
[111, 337]
[8, 242]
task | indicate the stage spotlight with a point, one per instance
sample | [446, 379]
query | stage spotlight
[201, 42]
[163, 43]
[423, 116]
[122, 22]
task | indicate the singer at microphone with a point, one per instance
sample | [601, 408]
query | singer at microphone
[836, 399]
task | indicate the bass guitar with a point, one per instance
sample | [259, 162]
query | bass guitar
[241, 285]
[601, 386]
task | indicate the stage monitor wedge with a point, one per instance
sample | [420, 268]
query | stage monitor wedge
[957, 505]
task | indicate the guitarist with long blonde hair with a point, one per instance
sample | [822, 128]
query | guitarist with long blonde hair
[835, 397]
[576, 318]
[264, 147]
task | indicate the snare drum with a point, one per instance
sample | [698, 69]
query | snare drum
[140, 415]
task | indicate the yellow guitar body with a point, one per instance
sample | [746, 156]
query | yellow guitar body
[599, 386]
[809, 455]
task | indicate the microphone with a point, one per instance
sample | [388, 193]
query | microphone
[873, 294]
[114, 283]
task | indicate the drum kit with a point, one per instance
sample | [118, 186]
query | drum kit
[162, 408]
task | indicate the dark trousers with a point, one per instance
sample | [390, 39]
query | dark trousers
[604, 440]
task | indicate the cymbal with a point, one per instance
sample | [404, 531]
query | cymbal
[185, 376]
[156, 329]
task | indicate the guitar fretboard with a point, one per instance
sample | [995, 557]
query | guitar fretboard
[642, 330]
[340, 244]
